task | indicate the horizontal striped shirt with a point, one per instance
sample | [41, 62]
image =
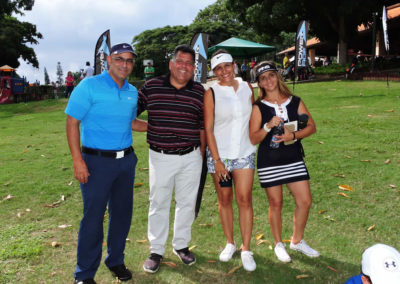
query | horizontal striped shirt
[175, 117]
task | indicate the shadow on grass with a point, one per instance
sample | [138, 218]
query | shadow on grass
[302, 269]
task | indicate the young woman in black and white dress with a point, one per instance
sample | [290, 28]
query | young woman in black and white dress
[284, 164]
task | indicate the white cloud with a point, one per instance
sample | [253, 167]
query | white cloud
[71, 28]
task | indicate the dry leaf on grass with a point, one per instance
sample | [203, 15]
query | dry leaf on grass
[392, 186]
[70, 183]
[170, 264]
[55, 244]
[343, 194]
[366, 161]
[19, 214]
[233, 270]
[339, 175]
[390, 110]
[320, 142]
[321, 211]
[128, 240]
[53, 205]
[259, 242]
[28, 210]
[346, 187]
[270, 247]
[369, 115]
[143, 169]
[347, 156]
[286, 241]
[141, 241]
[259, 236]
[8, 197]
[211, 261]
[7, 183]
[371, 228]
[205, 225]
[387, 161]
[302, 276]
[333, 269]
[329, 218]
[64, 226]
[199, 271]
[139, 184]
[192, 248]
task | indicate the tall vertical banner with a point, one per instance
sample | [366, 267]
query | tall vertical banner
[385, 33]
[301, 46]
[101, 52]
[199, 43]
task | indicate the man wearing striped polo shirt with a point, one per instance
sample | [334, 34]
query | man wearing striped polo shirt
[175, 133]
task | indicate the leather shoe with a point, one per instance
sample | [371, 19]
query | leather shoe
[121, 272]
[86, 281]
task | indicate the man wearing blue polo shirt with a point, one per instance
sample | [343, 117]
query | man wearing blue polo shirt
[104, 107]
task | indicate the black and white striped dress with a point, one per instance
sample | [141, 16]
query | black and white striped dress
[284, 164]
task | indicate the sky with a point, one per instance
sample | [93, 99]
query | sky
[71, 28]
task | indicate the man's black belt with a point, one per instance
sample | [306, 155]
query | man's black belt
[109, 154]
[179, 152]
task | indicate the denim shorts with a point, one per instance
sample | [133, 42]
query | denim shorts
[232, 164]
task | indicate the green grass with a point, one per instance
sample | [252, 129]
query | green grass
[355, 121]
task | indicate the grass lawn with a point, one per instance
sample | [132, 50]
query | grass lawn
[357, 144]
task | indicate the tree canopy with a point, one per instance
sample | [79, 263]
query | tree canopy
[158, 44]
[16, 35]
[331, 20]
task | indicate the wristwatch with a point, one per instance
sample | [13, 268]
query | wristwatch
[266, 128]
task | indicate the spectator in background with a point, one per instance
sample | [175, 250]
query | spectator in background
[243, 69]
[69, 84]
[235, 68]
[88, 71]
[327, 61]
[148, 71]
[286, 61]
[380, 264]
[252, 71]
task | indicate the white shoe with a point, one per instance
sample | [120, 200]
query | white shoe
[281, 252]
[227, 253]
[248, 261]
[304, 248]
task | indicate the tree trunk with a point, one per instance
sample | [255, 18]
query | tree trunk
[342, 45]
[342, 52]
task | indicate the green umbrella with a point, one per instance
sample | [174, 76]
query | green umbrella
[240, 48]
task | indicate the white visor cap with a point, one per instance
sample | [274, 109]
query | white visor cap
[220, 58]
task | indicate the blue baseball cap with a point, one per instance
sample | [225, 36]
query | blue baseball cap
[121, 48]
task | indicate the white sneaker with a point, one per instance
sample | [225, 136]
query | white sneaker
[248, 261]
[281, 252]
[304, 248]
[227, 253]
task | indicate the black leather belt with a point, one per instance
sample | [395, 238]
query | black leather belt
[179, 152]
[108, 154]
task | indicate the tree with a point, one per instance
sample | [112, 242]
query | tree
[59, 73]
[15, 35]
[158, 44]
[46, 77]
[220, 23]
[335, 21]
